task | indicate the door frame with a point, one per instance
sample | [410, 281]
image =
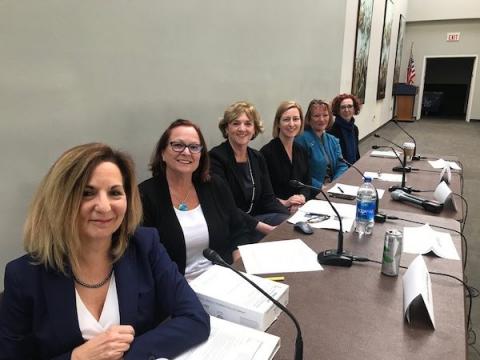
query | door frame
[472, 82]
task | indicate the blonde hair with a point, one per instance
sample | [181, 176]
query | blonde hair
[234, 111]
[321, 103]
[284, 106]
[51, 232]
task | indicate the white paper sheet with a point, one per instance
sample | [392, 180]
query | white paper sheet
[279, 257]
[346, 211]
[229, 341]
[423, 239]
[384, 176]
[417, 282]
[349, 190]
[440, 164]
[385, 153]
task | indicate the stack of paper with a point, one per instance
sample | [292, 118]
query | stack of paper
[226, 295]
[423, 239]
[383, 176]
[348, 191]
[440, 164]
[314, 210]
[385, 153]
[282, 256]
[229, 341]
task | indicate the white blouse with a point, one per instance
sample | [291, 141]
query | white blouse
[89, 326]
[195, 232]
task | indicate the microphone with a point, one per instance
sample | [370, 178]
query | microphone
[334, 257]
[389, 141]
[415, 156]
[379, 218]
[428, 205]
[213, 256]
[407, 189]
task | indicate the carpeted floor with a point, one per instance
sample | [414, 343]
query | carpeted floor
[462, 139]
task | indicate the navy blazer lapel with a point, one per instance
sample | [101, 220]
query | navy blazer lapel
[60, 301]
[126, 280]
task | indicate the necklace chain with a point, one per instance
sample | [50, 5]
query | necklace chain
[93, 286]
[253, 184]
[182, 205]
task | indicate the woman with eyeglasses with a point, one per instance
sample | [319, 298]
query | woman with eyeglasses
[344, 107]
[245, 169]
[191, 209]
[287, 160]
[323, 149]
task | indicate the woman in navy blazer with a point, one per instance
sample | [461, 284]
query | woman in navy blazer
[92, 284]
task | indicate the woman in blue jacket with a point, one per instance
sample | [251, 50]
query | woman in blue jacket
[323, 149]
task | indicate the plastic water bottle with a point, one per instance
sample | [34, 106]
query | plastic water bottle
[366, 203]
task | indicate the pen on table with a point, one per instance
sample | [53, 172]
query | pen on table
[340, 189]
[275, 278]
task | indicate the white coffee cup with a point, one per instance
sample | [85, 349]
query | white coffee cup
[408, 149]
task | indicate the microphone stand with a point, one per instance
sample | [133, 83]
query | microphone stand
[415, 156]
[379, 218]
[213, 256]
[389, 141]
[407, 189]
[333, 257]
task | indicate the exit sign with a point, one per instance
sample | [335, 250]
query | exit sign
[453, 36]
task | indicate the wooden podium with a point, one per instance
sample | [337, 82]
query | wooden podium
[404, 101]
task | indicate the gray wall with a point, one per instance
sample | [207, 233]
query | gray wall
[119, 71]
[429, 38]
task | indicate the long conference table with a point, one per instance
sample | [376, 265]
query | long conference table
[357, 312]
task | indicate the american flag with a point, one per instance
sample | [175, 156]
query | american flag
[411, 69]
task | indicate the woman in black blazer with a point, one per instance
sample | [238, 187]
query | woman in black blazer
[245, 169]
[287, 160]
[191, 209]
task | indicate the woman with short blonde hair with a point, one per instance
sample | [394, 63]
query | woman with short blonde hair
[324, 152]
[245, 170]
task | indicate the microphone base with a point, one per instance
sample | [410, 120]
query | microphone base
[416, 157]
[334, 258]
[407, 189]
[400, 169]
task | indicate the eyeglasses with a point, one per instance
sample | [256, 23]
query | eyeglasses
[344, 107]
[179, 147]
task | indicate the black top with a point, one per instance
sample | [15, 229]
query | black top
[223, 163]
[226, 226]
[347, 134]
[282, 170]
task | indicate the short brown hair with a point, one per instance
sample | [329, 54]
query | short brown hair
[284, 106]
[308, 115]
[338, 100]
[51, 232]
[157, 165]
[234, 111]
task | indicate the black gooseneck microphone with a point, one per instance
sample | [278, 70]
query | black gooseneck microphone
[333, 257]
[395, 168]
[415, 156]
[379, 218]
[389, 141]
[213, 256]
[428, 205]
[403, 187]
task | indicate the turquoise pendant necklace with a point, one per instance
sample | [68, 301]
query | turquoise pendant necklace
[182, 205]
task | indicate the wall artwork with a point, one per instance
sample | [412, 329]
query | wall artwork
[398, 55]
[385, 49]
[362, 47]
